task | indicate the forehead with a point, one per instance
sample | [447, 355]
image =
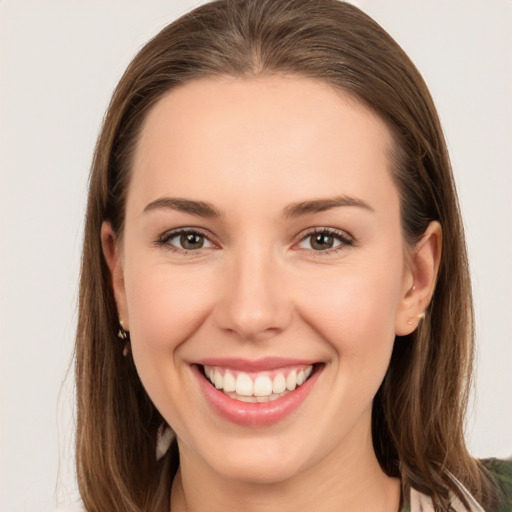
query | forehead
[260, 136]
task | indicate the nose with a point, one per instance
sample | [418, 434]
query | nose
[255, 303]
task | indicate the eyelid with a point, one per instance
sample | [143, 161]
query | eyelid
[163, 239]
[345, 238]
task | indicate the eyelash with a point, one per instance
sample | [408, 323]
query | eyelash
[341, 236]
[164, 240]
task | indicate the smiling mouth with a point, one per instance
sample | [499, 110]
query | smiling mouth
[258, 387]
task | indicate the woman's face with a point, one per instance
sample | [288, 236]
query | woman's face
[262, 243]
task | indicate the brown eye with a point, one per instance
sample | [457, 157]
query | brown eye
[185, 240]
[191, 241]
[325, 240]
[322, 241]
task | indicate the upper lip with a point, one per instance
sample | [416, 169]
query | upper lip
[253, 365]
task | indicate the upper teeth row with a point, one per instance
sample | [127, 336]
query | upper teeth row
[262, 385]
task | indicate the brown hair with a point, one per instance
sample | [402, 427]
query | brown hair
[418, 413]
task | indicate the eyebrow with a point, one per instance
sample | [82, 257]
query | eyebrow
[323, 204]
[205, 209]
[201, 208]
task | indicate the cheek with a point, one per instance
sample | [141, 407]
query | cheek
[166, 307]
[164, 304]
[354, 311]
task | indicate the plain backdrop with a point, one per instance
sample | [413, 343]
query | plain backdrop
[60, 60]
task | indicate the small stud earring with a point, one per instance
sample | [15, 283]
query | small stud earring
[124, 335]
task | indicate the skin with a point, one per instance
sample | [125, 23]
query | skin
[258, 287]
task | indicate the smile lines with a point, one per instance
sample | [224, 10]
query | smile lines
[257, 387]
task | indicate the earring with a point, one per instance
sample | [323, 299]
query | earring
[124, 335]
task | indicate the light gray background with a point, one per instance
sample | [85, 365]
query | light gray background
[60, 60]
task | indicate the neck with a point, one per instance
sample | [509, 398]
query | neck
[342, 481]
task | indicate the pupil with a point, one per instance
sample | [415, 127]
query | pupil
[191, 241]
[322, 241]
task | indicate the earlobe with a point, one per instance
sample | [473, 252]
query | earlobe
[112, 254]
[423, 269]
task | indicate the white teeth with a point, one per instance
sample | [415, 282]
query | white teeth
[218, 379]
[242, 398]
[262, 386]
[279, 383]
[291, 380]
[244, 385]
[256, 399]
[229, 382]
[241, 386]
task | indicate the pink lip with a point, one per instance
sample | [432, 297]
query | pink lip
[257, 365]
[253, 414]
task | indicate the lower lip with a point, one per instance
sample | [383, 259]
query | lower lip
[254, 414]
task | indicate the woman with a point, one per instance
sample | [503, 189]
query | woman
[274, 235]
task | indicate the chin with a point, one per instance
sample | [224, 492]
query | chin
[263, 463]
[257, 472]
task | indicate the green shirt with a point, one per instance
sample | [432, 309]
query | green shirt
[501, 472]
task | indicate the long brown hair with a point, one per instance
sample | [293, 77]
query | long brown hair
[418, 413]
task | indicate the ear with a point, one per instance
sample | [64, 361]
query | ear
[113, 257]
[419, 280]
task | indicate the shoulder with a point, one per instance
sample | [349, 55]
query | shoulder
[498, 471]
[501, 473]
[501, 469]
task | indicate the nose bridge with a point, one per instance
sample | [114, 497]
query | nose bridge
[255, 304]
